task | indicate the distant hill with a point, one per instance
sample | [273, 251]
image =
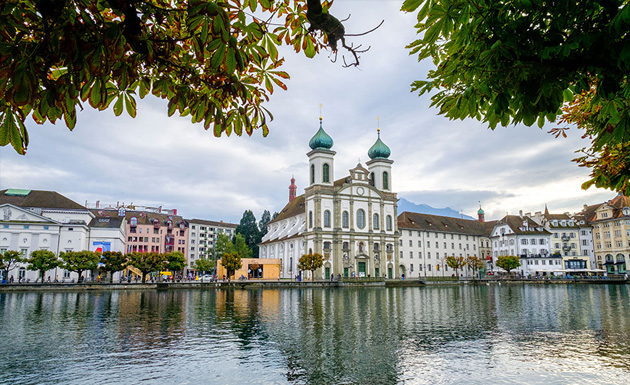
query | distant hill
[405, 205]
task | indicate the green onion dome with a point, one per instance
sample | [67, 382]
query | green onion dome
[321, 140]
[480, 211]
[379, 150]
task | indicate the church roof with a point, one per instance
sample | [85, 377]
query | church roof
[39, 199]
[515, 222]
[440, 224]
[293, 208]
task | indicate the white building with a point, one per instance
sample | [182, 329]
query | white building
[42, 220]
[350, 221]
[427, 240]
[202, 236]
[521, 236]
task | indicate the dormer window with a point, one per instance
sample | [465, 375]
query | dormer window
[169, 224]
[133, 222]
[156, 224]
[121, 212]
[182, 225]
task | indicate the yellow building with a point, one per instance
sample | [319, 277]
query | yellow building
[253, 268]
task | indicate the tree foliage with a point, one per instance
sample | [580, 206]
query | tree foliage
[80, 261]
[215, 62]
[509, 62]
[175, 261]
[265, 218]
[10, 259]
[42, 261]
[455, 263]
[241, 247]
[223, 245]
[113, 261]
[203, 265]
[147, 262]
[248, 228]
[508, 262]
[475, 263]
[311, 262]
[231, 262]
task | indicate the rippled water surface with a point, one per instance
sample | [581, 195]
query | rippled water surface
[509, 334]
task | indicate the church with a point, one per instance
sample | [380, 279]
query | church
[351, 221]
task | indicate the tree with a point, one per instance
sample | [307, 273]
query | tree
[9, 260]
[241, 248]
[508, 262]
[175, 261]
[231, 262]
[42, 261]
[203, 265]
[311, 262]
[223, 245]
[456, 263]
[265, 218]
[250, 232]
[80, 261]
[113, 261]
[216, 62]
[146, 262]
[475, 263]
[520, 61]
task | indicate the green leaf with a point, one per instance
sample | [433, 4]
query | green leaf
[310, 48]
[412, 5]
[217, 57]
[230, 61]
[118, 106]
[130, 105]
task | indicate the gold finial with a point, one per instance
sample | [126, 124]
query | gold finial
[320, 111]
[378, 126]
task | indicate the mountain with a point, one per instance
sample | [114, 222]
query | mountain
[405, 205]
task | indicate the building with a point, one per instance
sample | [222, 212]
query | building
[427, 240]
[202, 235]
[42, 220]
[610, 223]
[253, 268]
[148, 229]
[521, 236]
[350, 221]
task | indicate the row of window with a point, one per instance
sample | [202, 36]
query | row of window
[29, 226]
[437, 235]
[345, 220]
[326, 176]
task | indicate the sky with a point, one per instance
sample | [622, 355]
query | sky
[154, 160]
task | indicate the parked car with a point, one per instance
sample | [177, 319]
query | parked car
[206, 278]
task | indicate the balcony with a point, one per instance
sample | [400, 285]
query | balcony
[565, 238]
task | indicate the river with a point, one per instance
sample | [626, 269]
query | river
[508, 334]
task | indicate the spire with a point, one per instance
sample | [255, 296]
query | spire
[292, 189]
[546, 210]
[481, 214]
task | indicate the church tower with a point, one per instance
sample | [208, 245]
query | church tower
[292, 190]
[379, 166]
[321, 158]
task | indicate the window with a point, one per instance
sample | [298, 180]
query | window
[389, 223]
[411, 254]
[361, 218]
[327, 218]
[419, 243]
[375, 225]
[310, 219]
[312, 174]
[410, 243]
[345, 220]
[133, 222]
[325, 173]
[385, 180]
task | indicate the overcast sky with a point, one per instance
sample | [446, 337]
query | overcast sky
[154, 160]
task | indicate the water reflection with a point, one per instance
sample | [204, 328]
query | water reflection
[434, 335]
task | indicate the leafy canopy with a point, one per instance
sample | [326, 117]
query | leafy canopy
[42, 261]
[509, 62]
[213, 61]
[310, 262]
[508, 262]
[231, 262]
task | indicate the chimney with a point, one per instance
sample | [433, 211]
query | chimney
[520, 213]
[97, 203]
[292, 190]
[174, 211]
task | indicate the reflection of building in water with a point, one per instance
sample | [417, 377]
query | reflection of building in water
[253, 268]
[351, 221]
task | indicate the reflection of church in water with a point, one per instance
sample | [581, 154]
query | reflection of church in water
[350, 221]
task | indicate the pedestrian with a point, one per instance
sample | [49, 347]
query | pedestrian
[11, 279]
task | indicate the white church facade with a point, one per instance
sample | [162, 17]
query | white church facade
[351, 221]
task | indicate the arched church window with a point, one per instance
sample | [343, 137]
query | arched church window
[371, 179]
[389, 223]
[345, 219]
[325, 173]
[375, 221]
[361, 218]
[327, 218]
[310, 219]
[312, 173]
[385, 180]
